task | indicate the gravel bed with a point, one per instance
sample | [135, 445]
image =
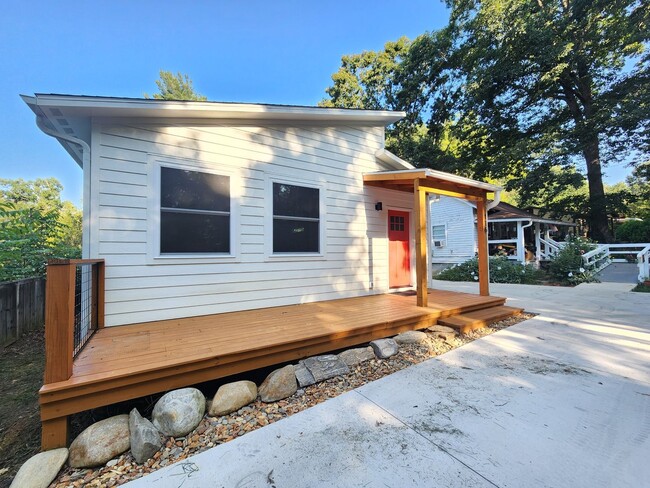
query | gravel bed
[213, 431]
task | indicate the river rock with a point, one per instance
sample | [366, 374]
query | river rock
[145, 438]
[411, 337]
[231, 397]
[384, 348]
[280, 384]
[40, 470]
[178, 412]
[442, 331]
[304, 377]
[100, 442]
[353, 357]
[325, 367]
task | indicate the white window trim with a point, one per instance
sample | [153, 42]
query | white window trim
[268, 220]
[155, 163]
[445, 240]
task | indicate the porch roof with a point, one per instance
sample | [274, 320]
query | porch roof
[505, 212]
[434, 181]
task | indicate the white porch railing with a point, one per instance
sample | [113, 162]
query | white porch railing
[548, 248]
[604, 254]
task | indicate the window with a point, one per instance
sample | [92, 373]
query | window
[396, 223]
[296, 219]
[194, 212]
[439, 235]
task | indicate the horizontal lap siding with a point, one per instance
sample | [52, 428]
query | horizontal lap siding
[461, 230]
[356, 258]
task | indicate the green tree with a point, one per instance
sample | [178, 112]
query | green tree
[175, 87]
[526, 86]
[35, 226]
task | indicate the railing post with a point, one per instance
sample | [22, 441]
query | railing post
[59, 320]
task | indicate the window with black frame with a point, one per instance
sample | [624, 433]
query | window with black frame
[296, 219]
[194, 212]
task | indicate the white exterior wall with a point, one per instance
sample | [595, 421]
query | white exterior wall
[141, 288]
[458, 217]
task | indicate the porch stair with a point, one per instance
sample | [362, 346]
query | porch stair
[477, 319]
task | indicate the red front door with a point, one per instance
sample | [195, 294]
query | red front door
[399, 256]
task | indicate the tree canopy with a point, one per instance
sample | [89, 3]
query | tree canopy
[35, 225]
[532, 92]
[175, 87]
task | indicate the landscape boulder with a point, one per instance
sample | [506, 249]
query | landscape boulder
[354, 357]
[411, 337]
[100, 442]
[40, 470]
[325, 367]
[280, 384]
[231, 397]
[384, 348]
[442, 331]
[303, 375]
[178, 412]
[145, 438]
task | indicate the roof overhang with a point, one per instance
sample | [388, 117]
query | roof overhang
[85, 106]
[431, 181]
[538, 220]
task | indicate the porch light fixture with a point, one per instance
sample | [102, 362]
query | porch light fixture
[378, 206]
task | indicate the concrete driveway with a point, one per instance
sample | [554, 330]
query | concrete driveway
[562, 400]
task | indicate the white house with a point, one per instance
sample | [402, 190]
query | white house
[513, 232]
[202, 207]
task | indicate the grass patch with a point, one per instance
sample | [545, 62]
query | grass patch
[22, 365]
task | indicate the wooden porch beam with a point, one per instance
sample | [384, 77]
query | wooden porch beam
[482, 241]
[420, 212]
[468, 193]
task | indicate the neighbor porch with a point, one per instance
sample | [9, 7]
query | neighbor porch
[126, 362]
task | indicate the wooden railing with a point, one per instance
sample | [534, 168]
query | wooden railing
[74, 297]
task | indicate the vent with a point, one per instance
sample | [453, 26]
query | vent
[62, 122]
[56, 112]
[68, 130]
[438, 243]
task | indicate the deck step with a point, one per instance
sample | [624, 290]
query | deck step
[478, 319]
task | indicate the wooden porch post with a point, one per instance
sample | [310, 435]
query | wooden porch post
[420, 212]
[59, 341]
[482, 241]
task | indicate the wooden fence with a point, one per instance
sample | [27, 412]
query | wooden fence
[22, 308]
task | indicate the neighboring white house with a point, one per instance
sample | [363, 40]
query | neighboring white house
[513, 232]
[202, 207]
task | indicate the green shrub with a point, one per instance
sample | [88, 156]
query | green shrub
[567, 266]
[634, 231]
[502, 270]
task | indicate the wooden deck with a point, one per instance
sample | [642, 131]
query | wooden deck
[120, 363]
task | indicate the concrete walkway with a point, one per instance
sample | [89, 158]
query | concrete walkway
[562, 400]
[620, 273]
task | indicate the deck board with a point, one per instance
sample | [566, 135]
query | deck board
[124, 362]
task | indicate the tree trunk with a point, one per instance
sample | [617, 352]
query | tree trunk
[597, 218]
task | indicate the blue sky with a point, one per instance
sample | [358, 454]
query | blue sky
[245, 51]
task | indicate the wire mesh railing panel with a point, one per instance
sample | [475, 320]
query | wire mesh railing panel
[85, 306]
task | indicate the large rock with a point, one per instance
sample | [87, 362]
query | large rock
[303, 375]
[411, 337]
[178, 412]
[325, 367]
[231, 397]
[280, 384]
[384, 348]
[353, 357]
[442, 331]
[145, 438]
[40, 470]
[100, 442]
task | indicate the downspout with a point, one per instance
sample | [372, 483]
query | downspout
[85, 165]
[495, 202]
